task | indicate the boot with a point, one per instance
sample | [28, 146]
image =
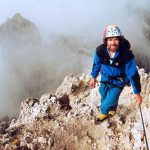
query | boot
[112, 113]
[101, 117]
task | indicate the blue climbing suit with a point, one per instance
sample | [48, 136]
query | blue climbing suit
[115, 75]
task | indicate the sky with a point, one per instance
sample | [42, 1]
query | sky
[67, 16]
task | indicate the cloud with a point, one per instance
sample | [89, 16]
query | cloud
[66, 15]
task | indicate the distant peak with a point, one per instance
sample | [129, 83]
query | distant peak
[18, 17]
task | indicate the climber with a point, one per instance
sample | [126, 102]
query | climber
[115, 61]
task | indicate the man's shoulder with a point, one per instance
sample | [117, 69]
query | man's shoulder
[127, 56]
[125, 47]
[100, 50]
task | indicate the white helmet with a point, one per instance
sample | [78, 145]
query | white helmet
[112, 31]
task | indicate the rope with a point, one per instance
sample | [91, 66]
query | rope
[144, 128]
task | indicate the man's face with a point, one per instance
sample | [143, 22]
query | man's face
[113, 43]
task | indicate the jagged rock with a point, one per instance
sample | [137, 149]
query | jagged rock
[30, 146]
[33, 108]
[95, 96]
[69, 85]
[145, 80]
[29, 102]
[74, 128]
[64, 101]
[18, 30]
[48, 96]
[3, 126]
[137, 132]
[42, 140]
[13, 121]
[12, 131]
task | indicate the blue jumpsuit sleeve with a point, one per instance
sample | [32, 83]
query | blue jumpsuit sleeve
[96, 65]
[133, 76]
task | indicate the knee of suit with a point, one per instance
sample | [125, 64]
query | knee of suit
[111, 100]
[103, 90]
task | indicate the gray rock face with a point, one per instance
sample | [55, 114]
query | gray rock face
[145, 80]
[33, 108]
[68, 86]
[19, 31]
[42, 123]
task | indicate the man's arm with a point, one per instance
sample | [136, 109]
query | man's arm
[96, 65]
[95, 70]
[134, 77]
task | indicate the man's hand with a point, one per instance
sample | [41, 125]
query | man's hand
[93, 82]
[138, 98]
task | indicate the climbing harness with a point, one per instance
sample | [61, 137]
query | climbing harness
[120, 78]
[144, 128]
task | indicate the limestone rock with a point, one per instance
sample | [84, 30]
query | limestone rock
[18, 30]
[43, 125]
[69, 85]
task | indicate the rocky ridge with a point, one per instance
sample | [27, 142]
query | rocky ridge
[19, 31]
[65, 120]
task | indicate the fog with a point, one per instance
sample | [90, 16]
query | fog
[65, 28]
